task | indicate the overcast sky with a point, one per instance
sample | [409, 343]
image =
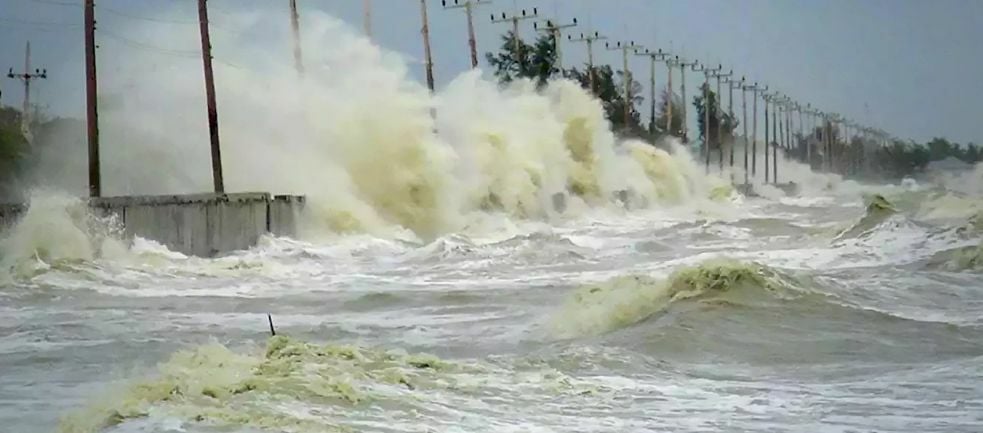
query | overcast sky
[911, 67]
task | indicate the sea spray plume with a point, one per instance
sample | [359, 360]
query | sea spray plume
[623, 301]
[355, 134]
[512, 156]
[56, 228]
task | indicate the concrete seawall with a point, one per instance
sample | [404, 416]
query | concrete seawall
[202, 225]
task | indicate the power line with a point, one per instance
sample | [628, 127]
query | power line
[150, 47]
[143, 18]
[56, 3]
[38, 23]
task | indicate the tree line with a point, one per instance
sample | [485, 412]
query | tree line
[516, 59]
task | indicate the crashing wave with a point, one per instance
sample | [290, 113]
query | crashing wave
[623, 301]
[878, 210]
[56, 228]
[212, 384]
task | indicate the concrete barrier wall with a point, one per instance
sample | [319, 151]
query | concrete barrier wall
[203, 225]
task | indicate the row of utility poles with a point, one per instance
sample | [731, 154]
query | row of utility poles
[823, 126]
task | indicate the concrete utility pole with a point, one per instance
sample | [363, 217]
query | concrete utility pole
[767, 99]
[670, 64]
[744, 88]
[776, 125]
[624, 48]
[731, 82]
[589, 40]
[515, 30]
[682, 77]
[295, 30]
[789, 106]
[27, 77]
[780, 110]
[367, 17]
[754, 129]
[91, 106]
[425, 31]
[707, 73]
[653, 56]
[719, 109]
[206, 57]
[556, 33]
[468, 6]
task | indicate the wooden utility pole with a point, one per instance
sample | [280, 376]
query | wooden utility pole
[295, 30]
[91, 111]
[428, 57]
[514, 19]
[624, 48]
[589, 40]
[206, 57]
[27, 77]
[556, 33]
[468, 6]
[654, 57]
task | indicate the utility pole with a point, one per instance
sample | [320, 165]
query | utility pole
[775, 127]
[682, 77]
[754, 128]
[425, 31]
[515, 32]
[747, 144]
[589, 40]
[670, 64]
[556, 33]
[730, 112]
[206, 57]
[789, 106]
[767, 99]
[468, 6]
[653, 56]
[91, 108]
[717, 111]
[624, 48]
[707, 73]
[367, 17]
[27, 77]
[295, 30]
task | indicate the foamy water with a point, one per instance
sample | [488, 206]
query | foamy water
[435, 288]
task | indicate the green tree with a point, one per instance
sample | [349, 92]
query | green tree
[14, 148]
[516, 59]
[609, 87]
[718, 119]
[940, 148]
[660, 128]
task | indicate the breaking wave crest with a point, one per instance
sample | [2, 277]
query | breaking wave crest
[298, 386]
[55, 228]
[878, 210]
[623, 301]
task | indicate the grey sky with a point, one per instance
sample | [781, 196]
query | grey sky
[914, 63]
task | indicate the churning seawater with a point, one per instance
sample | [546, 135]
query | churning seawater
[803, 314]
[434, 288]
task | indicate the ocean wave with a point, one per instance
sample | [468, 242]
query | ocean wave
[624, 301]
[297, 386]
